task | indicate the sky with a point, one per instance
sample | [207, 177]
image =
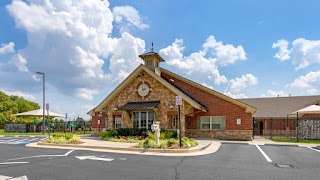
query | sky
[243, 49]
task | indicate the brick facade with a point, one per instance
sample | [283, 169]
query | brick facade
[216, 107]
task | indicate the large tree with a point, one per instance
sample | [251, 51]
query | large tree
[14, 104]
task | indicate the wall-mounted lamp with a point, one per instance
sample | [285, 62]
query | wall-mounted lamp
[171, 106]
[115, 108]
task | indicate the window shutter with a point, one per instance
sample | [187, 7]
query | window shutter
[198, 122]
[223, 123]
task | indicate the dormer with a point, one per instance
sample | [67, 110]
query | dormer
[152, 61]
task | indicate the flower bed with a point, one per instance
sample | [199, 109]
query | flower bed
[64, 138]
[125, 139]
[167, 143]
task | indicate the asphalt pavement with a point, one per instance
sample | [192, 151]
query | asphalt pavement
[231, 161]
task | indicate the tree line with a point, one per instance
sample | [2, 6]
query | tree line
[12, 105]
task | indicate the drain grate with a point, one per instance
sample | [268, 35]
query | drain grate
[284, 165]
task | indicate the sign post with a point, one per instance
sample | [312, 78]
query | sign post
[47, 108]
[179, 102]
[99, 121]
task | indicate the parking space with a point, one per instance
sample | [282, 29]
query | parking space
[296, 157]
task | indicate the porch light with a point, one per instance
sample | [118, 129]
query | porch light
[171, 106]
[115, 108]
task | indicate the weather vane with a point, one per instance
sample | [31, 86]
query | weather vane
[152, 46]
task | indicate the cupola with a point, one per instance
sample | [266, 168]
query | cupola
[152, 60]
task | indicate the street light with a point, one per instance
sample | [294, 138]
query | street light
[43, 115]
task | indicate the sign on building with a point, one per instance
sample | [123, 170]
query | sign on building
[178, 100]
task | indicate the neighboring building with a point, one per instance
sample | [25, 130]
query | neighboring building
[148, 94]
[273, 114]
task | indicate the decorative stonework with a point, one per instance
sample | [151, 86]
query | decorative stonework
[157, 92]
[220, 134]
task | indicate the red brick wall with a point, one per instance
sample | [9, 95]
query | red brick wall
[311, 116]
[95, 119]
[216, 106]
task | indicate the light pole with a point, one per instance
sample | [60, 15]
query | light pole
[43, 115]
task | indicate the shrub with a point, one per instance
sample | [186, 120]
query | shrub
[66, 135]
[75, 138]
[108, 133]
[186, 142]
[172, 141]
[163, 144]
[79, 129]
[162, 135]
[131, 132]
[151, 135]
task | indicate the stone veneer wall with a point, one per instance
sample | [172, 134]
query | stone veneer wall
[15, 128]
[220, 134]
[130, 94]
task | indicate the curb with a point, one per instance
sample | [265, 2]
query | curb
[126, 149]
[290, 145]
[240, 143]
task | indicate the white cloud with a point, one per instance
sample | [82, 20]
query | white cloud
[7, 48]
[206, 85]
[203, 65]
[224, 54]
[71, 41]
[235, 96]
[19, 62]
[21, 94]
[303, 52]
[284, 53]
[238, 84]
[127, 17]
[272, 93]
[310, 83]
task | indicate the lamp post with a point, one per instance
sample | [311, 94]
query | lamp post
[43, 115]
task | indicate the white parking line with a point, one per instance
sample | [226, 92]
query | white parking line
[313, 149]
[66, 154]
[264, 154]
[14, 163]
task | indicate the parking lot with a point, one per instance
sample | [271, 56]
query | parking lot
[231, 161]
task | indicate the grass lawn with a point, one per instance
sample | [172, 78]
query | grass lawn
[277, 139]
[3, 133]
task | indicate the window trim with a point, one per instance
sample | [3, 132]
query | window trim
[139, 120]
[115, 122]
[211, 119]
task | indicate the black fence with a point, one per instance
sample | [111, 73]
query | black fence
[293, 129]
[75, 127]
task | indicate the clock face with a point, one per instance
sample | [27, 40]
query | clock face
[143, 90]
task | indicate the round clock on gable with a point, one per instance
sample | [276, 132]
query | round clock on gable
[143, 90]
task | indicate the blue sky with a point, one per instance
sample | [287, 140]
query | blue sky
[86, 48]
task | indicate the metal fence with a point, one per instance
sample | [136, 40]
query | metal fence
[308, 129]
[54, 127]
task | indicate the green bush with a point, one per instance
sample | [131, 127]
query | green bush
[151, 135]
[163, 144]
[186, 142]
[162, 135]
[75, 138]
[172, 141]
[131, 131]
[108, 133]
[66, 135]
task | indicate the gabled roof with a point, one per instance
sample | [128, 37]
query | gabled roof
[280, 106]
[132, 76]
[247, 107]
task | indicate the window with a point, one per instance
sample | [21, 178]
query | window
[106, 123]
[143, 119]
[149, 63]
[213, 122]
[174, 122]
[118, 122]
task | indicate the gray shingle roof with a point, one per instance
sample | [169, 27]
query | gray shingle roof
[279, 106]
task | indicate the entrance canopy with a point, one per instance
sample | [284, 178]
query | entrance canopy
[139, 105]
[39, 113]
[313, 109]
